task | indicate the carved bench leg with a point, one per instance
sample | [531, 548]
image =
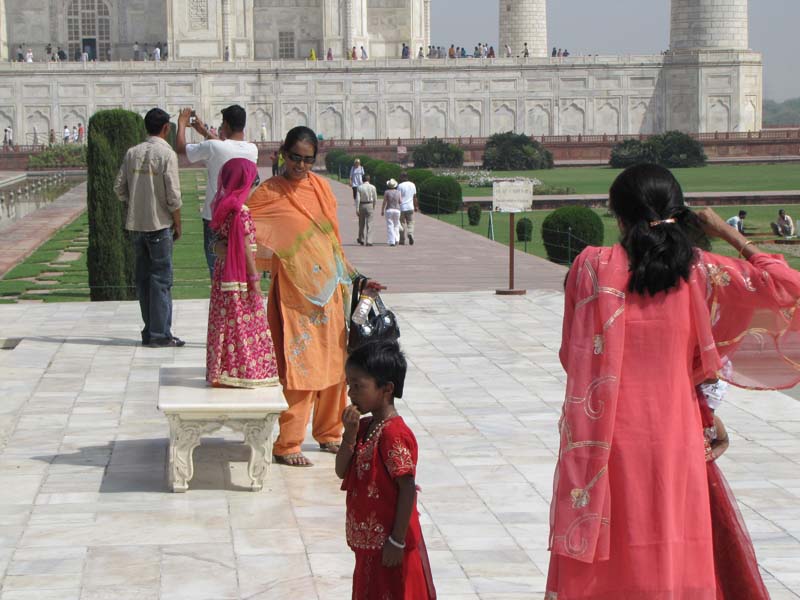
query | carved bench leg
[258, 435]
[184, 437]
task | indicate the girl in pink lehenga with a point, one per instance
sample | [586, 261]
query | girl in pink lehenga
[637, 513]
[239, 350]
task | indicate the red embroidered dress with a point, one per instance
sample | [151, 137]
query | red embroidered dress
[389, 452]
[239, 351]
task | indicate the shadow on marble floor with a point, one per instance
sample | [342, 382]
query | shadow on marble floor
[140, 466]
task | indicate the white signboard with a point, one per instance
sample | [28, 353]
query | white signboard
[512, 195]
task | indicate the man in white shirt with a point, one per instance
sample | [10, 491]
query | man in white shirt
[737, 221]
[784, 225]
[214, 153]
[365, 206]
[408, 206]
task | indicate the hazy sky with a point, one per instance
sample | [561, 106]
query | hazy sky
[630, 26]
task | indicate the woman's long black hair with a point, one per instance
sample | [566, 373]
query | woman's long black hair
[660, 254]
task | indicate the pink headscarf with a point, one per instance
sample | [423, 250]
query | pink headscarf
[233, 188]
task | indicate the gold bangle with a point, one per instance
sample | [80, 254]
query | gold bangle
[745, 245]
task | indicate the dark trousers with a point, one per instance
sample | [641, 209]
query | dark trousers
[153, 276]
[209, 239]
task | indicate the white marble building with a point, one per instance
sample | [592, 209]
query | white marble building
[708, 81]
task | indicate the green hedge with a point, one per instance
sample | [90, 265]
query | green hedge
[383, 173]
[568, 230]
[524, 229]
[66, 155]
[631, 152]
[437, 153]
[332, 161]
[515, 152]
[417, 176]
[474, 214]
[440, 195]
[110, 257]
[672, 149]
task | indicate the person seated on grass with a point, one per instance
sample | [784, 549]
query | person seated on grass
[737, 221]
[784, 226]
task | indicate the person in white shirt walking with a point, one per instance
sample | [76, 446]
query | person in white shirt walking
[409, 204]
[214, 153]
[356, 177]
[365, 207]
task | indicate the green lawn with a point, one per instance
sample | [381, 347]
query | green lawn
[757, 222]
[713, 178]
[41, 277]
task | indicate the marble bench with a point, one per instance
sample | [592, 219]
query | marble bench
[194, 409]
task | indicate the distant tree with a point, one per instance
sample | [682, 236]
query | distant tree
[437, 153]
[782, 114]
[515, 152]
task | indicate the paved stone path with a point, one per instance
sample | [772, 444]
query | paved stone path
[84, 511]
[444, 258]
[19, 240]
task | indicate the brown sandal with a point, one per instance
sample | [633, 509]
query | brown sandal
[297, 459]
[331, 447]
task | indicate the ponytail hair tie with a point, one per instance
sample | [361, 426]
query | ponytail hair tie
[663, 222]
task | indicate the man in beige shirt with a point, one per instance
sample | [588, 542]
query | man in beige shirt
[366, 197]
[148, 183]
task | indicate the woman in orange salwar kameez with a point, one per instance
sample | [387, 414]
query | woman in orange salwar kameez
[309, 299]
[644, 322]
[239, 351]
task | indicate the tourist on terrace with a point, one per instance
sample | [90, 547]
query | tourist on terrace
[214, 152]
[508, 51]
[309, 299]
[330, 54]
[631, 516]
[737, 221]
[239, 350]
[421, 53]
[356, 177]
[364, 53]
[148, 182]
[784, 226]
[136, 51]
[312, 54]
[554, 54]
[525, 52]
[66, 134]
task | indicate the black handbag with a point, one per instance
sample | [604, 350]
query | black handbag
[381, 323]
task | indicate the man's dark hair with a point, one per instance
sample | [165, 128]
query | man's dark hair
[742, 214]
[154, 120]
[403, 176]
[383, 361]
[236, 118]
[365, 179]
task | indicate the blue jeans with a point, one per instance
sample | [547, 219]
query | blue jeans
[209, 239]
[154, 282]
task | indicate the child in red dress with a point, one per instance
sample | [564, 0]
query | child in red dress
[377, 461]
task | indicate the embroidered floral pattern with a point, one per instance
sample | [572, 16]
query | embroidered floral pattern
[365, 535]
[718, 275]
[399, 461]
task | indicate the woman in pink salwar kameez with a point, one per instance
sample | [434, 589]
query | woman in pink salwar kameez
[239, 351]
[644, 322]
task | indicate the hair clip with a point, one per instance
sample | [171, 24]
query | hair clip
[664, 222]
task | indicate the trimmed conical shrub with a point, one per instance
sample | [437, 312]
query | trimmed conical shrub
[110, 257]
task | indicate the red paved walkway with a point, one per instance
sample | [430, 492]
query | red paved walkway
[20, 239]
[444, 258]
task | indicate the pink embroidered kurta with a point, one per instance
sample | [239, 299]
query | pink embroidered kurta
[630, 516]
[390, 452]
[239, 351]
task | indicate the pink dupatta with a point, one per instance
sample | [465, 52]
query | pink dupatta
[235, 182]
[745, 311]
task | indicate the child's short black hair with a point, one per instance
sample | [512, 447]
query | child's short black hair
[383, 361]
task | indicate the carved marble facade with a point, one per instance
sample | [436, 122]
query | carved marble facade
[204, 29]
[702, 92]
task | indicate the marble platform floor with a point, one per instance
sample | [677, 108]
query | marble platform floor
[85, 513]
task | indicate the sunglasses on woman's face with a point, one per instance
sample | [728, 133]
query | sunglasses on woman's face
[309, 160]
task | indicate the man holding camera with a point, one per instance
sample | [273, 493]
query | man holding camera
[214, 152]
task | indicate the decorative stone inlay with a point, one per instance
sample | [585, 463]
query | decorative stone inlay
[198, 14]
